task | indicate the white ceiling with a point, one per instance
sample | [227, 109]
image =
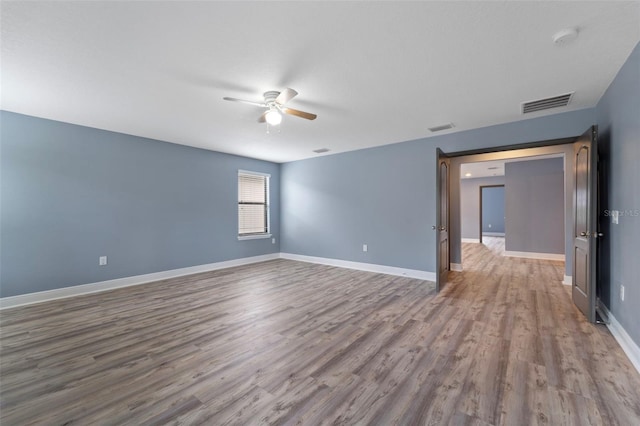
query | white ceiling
[374, 72]
[480, 169]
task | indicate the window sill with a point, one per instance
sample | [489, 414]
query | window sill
[253, 237]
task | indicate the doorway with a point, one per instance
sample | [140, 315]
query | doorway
[525, 199]
[492, 211]
[580, 158]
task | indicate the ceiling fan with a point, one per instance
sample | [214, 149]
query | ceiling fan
[274, 102]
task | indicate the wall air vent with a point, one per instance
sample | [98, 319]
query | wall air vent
[442, 127]
[321, 150]
[547, 103]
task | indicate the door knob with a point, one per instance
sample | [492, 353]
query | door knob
[433, 227]
[442, 228]
[584, 234]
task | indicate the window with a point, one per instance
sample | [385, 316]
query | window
[253, 205]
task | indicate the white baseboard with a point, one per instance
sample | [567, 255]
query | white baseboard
[532, 255]
[471, 240]
[567, 280]
[369, 267]
[457, 267]
[630, 348]
[61, 293]
[493, 234]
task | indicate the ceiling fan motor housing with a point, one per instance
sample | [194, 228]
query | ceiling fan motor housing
[270, 97]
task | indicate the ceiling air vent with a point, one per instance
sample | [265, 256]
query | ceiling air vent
[547, 103]
[442, 127]
[321, 150]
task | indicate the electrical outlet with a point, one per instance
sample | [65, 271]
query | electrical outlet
[489, 225]
[365, 247]
[621, 292]
[102, 260]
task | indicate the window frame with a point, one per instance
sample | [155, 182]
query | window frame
[267, 206]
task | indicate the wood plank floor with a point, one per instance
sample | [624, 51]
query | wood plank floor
[286, 342]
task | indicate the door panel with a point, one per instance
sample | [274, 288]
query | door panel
[442, 220]
[582, 271]
[585, 223]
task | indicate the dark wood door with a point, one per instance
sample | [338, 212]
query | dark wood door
[442, 220]
[585, 223]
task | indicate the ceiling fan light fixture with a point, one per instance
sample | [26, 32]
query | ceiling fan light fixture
[274, 103]
[273, 117]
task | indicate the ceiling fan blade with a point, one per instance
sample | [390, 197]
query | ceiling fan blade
[286, 95]
[260, 104]
[299, 113]
[263, 117]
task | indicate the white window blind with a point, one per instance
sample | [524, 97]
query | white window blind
[253, 203]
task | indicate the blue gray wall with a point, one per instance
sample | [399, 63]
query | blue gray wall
[493, 209]
[534, 206]
[70, 194]
[618, 119]
[470, 204]
[384, 196]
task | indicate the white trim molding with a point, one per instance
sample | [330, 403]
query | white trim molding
[493, 234]
[65, 292]
[62, 293]
[532, 255]
[369, 267]
[250, 173]
[456, 267]
[630, 348]
[567, 280]
[253, 237]
[471, 240]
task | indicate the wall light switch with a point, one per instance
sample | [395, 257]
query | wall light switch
[102, 260]
[273, 241]
[365, 247]
[622, 293]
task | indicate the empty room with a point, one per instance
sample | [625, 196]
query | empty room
[314, 212]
